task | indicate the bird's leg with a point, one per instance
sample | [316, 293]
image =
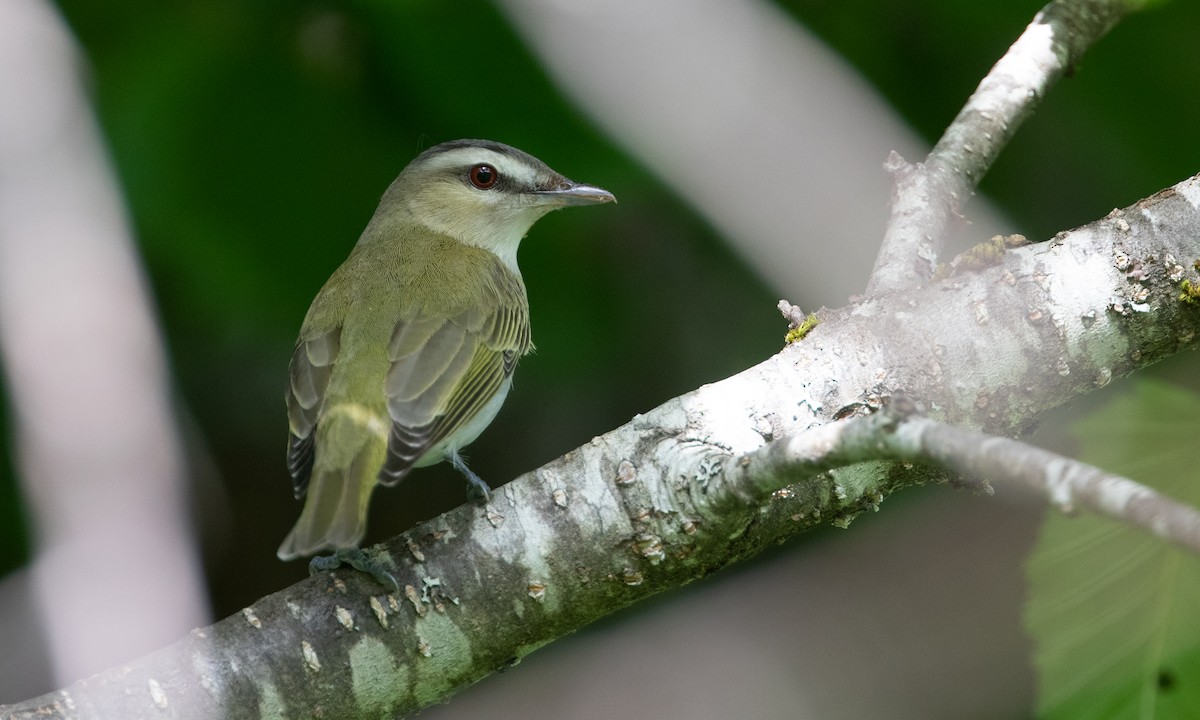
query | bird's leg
[357, 559]
[477, 489]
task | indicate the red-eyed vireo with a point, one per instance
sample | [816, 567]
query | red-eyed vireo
[408, 351]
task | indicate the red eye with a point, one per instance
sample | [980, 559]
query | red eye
[483, 176]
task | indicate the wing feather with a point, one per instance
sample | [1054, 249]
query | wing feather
[309, 371]
[437, 385]
[430, 370]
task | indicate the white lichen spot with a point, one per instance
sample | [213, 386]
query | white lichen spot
[310, 656]
[632, 576]
[1139, 307]
[198, 633]
[293, 609]
[1062, 367]
[210, 685]
[423, 647]
[708, 468]
[537, 590]
[1121, 261]
[344, 617]
[1088, 316]
[1140, 295]
[560, 497]
[1122, 225]
[839, 491]
[689, 527]
[784, 493]
[415, 551]
[1103, 376]
[430, 586]
[251, 618]
[493, 517]
[157, 695]
[66, 699]
[626, 473]
[380, 613]
[339, 585]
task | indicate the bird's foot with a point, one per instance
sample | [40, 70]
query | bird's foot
[477, 490]
[357, 559]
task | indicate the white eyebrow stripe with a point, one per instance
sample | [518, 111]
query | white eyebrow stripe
[466, 157]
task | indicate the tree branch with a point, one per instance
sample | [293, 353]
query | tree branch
[649, 506]
[897, 433]
[928, 196]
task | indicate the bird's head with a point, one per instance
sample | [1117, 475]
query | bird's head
[483, 193]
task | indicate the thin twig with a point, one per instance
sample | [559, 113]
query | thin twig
[897, 434]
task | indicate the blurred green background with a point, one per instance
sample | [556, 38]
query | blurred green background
[253, 140]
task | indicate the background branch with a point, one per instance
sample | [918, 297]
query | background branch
[100, 460]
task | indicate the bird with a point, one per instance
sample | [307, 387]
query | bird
[407, 352]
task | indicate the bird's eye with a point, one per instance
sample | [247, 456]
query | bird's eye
[483, 176]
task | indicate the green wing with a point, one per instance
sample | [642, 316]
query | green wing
[445, 370]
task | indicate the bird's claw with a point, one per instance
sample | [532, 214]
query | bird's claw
[357, 559]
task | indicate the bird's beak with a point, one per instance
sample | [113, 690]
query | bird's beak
[570, 193]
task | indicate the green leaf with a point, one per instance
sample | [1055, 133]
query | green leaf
[1115, 612]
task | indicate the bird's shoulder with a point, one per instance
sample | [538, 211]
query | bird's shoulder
[421, 274]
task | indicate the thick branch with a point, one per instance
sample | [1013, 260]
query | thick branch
[645, 507]
[928, 196]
